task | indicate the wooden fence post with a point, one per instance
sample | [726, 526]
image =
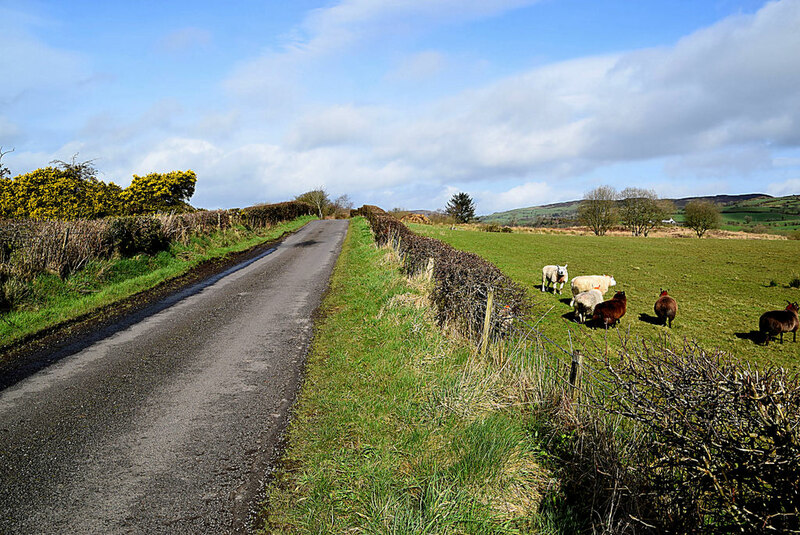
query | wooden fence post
[429, 269]
[487, 321]
[575, 373]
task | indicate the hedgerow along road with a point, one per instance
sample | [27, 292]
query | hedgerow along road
[169, 425]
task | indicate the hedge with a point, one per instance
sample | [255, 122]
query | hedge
[461, 280]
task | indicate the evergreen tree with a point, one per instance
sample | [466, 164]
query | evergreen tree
[461, 208]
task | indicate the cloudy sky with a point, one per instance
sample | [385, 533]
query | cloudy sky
[401, 103]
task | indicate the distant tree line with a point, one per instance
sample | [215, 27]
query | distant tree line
[640, 211]
[319, 199]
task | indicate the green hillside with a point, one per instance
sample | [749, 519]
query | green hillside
[753, 212]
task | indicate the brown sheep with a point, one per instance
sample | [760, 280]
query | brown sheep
[610, 312]
[665, 308]
[779, 322]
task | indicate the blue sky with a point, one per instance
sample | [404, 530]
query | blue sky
[403, 103]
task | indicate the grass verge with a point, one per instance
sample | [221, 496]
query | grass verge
[49, 301]
[398, 428]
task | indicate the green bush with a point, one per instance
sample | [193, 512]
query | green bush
[130, 236]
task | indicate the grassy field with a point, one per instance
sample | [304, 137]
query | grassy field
[399, 428]
[49, 300]
[722, 286]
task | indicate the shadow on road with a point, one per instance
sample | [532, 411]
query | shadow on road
[307, 243]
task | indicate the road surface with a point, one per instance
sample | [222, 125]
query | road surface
[169, 425]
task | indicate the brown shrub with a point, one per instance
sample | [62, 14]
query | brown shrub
[416, 218]
[461, 280]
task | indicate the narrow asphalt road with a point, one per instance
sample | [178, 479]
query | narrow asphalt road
[168, 426]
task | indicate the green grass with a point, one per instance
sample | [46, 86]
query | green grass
[49, 300]
[398, 428]
[722, 286]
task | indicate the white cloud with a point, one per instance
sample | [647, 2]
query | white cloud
[336, 125]
[331, 30]
[734, 161]
[418, 67]
[709, 95]
[787, 187]
[527, 194]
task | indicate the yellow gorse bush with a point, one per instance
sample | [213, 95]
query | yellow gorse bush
[52, 193]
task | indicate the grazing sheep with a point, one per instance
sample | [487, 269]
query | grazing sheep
[779, 322]
[609, 312]
[584, 283]
[665, 308]
[554, 275]
[585, 303]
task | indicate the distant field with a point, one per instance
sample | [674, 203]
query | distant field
[779, 215]
[722, 286]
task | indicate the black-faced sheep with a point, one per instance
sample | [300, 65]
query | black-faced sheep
[609, 312]
[665, 308]
[554, 275]
[584, 283]
[779, 322]
[584, 304]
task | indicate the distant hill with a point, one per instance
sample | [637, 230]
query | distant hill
[566, 212]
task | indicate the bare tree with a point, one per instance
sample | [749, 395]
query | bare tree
[598, 209]
[701, 216]
[317, 198]
[80, 170]
[641, 210]
[4, 171]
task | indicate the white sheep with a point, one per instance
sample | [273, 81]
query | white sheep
[554, 275]
[584, 283]
[585, 302]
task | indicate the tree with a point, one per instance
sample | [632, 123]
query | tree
[77, 170]
[4, 172]
[342, 205]
[160, 192]
[641, 210]
[317, 198]
[461, 208]
[598, 209]
[701, 216]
